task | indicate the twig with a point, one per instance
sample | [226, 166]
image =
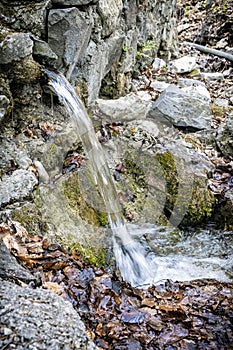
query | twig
[206, 49]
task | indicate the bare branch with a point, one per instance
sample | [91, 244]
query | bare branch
[206, 49]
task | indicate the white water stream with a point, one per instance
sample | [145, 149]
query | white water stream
[131, 258]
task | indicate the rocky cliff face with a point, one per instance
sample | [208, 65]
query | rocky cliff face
[97, 43]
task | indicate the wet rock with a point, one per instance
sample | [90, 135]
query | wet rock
[17, 186]
[126, 108]
[186, 107]
[182, 65]
[14, 47]
[4, 106]
[166, 174]
[40, 317]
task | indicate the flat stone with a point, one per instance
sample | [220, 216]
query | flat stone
[159, 85]
[221, 102]
[212, 76]
[129, 107]
[43, 51]
[184, 64]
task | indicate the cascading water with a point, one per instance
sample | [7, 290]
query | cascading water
[132, 261]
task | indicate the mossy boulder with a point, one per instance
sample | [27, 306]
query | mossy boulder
[165, 181]
[71, 221]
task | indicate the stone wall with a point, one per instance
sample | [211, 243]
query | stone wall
[97, 43]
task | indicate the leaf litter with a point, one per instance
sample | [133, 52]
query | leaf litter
[169, 315]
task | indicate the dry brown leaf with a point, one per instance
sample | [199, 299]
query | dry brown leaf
[54, 287]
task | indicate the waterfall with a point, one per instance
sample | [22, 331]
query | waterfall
[131, 258]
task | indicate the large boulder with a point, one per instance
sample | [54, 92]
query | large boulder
[164, 178]
[187, 107]
[41, 318]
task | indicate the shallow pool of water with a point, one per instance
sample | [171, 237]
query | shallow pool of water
[184, 255]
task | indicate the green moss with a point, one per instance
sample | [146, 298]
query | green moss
[77, 202]
[95, 257]
[201, 204]
[146, 50]
[148, 45]
[195, 209]
[31, 218]
[218, 111]
[167, 162]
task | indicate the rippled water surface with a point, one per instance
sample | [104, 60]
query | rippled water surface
[187, 255]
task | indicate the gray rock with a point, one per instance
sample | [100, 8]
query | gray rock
[68, 34]
[182, 65]
[225, 137]
[186, 107]
[183, 82]
[129, 107]
[26, 16]
[40, 320]
[112, 30]
[74, 2]
[159, 85]
[110, 12]
[14, 47]
[17, 186]
[4, 105]
[212, 76]
[43, 51]
[158, 63]
[159, 157]
[221, 102]
[99, 60]
[11, 270]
